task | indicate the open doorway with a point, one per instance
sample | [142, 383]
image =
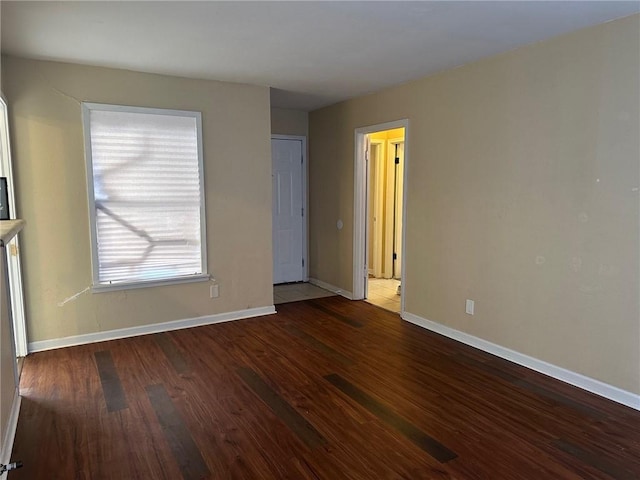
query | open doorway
[384, 218]
[379, 214]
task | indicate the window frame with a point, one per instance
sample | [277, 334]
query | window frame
[97, 286]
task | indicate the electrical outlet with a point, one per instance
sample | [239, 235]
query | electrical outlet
[214, 291]
[469, 307]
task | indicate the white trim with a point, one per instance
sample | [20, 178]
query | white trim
[390, 233]
[86, 132]
[360, 202]
[107, 287]
[576, 379]
[147, 329]
[331, 288]
[359, 215]
[16, 288]
[13, 261]
[305, 199]
[10, 431]
[87, 108]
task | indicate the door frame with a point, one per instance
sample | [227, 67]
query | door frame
[394, 142]
[305, 201]
[14, 268]
[360, 244]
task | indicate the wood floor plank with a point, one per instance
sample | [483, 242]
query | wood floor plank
[424, 441]
[319, 346]
[544, 392]
[111, 385]
[318, 305]
[172, 352]
[296, 422]
[493, 371]
[186, 452]
[595, 460]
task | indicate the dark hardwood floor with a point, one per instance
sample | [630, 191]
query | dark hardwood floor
[325, 389]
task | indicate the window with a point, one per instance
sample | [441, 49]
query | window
[146, 195]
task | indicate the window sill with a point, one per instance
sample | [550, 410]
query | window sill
[99, 288]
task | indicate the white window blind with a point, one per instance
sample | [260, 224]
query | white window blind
[146, 194]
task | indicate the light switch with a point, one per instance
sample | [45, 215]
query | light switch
[469, 307]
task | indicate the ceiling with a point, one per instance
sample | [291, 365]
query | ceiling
[311, 54]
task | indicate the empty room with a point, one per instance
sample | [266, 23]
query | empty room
[320, 240]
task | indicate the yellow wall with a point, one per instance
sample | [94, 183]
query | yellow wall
[48, 153]
[522, 195]
[392, 134]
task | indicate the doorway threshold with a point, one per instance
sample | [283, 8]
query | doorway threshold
[383, 293]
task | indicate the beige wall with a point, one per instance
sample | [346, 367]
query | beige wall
[45, 114]
[523, 176]
[285, 121]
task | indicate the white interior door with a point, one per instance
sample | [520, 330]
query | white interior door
[288, 210]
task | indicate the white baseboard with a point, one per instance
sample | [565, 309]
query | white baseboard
[10, 432]
[586, 383]
[147, 329]
[331, 288]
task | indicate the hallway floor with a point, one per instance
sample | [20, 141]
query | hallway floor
[294, 292]
[383, 292]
